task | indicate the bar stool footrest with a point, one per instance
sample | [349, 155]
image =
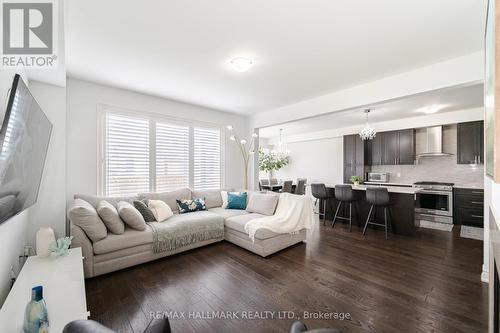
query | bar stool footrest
[378, 224]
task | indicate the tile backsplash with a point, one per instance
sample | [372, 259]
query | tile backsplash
[438, 168]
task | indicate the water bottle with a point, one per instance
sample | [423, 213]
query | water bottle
[36, 318]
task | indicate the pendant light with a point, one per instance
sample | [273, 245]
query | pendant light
[368, 132]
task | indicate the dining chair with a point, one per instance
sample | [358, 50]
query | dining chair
[274, 181]
[287, 186]
[300, 189]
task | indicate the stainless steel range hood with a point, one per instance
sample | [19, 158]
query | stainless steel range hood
[430, 142]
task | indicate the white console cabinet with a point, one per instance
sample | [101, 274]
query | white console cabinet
[63, 291]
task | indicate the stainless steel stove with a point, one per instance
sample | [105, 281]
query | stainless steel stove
[434, 201]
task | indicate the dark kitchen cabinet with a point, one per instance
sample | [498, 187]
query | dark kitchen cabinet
[392, 148]
[374, 150]
[406, 146]
[470, 142]
[389, 148]
[354, 157]
[468, 207]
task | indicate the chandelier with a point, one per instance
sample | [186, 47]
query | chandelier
[368, 132]
[282, 146]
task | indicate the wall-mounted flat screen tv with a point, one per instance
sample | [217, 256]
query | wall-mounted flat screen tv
[24, 140]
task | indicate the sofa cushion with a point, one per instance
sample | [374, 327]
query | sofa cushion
[213, 198]
[191, 205]
[225, 213]
[110, 217]
[237, 223]
[169, 197]
[131, 216]
[160, 210]
[129, 238]
[95, 200]
[262, 203]
[236, 200]
[142, 207]
[85, 216]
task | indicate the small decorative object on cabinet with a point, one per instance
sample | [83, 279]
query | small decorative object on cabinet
[36, 318]
[44, 239]
[356, 180]
[61, 246]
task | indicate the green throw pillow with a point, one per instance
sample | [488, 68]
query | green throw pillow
[142, 207]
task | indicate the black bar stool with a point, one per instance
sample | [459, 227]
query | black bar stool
[320, 192]
[344, 194]
[377, 197]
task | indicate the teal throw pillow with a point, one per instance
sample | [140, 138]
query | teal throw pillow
[142, 207]
[236, 200]
[187, 206]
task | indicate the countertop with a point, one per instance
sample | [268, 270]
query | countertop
[389, 184]
[390, 189]
[459, 185]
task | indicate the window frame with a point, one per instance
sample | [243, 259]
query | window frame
[153, 118]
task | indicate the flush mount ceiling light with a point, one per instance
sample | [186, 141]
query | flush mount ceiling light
[430, 109]
[241, 64]
[368, 132]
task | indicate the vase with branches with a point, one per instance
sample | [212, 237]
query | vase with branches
[247, 149]
[272, 161]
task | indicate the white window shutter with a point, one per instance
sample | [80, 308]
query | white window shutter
[207, 158]
[126, 160]
[172, 156]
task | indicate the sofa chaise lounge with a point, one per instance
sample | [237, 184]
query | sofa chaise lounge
[133, 247]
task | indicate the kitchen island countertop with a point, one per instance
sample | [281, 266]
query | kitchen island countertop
[390, 189]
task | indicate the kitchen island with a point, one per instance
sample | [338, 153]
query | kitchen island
[402, 216]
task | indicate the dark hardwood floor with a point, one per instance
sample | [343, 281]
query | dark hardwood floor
[426, 283]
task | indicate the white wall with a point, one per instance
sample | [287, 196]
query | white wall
[50, 209]
[83, 99]
[13, 231]
[320, 161]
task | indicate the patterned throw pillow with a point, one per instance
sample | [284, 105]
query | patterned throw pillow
[142, 207]
[187, 205]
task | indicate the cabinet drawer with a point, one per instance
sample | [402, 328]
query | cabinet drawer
[472, 217]
[469, 201]
[469, 192]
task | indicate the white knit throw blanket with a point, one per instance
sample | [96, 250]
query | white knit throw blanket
[294, 213]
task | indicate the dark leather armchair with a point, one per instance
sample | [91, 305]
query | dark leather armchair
[300, 327]
[90, 326]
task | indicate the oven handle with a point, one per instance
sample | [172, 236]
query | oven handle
[434, 192]
[431, 215]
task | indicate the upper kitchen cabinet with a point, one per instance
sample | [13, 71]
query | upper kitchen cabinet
[374, 150]
[392, 148]
[470, 138]
[354, 157]
[406, 146]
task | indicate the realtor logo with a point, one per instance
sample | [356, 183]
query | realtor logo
[28, 34]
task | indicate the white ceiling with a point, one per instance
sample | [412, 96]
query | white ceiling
[178, 49]
[452, 99]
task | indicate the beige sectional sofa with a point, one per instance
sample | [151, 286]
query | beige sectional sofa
[134, 247]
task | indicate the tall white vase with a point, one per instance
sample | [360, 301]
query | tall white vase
[44, 237]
